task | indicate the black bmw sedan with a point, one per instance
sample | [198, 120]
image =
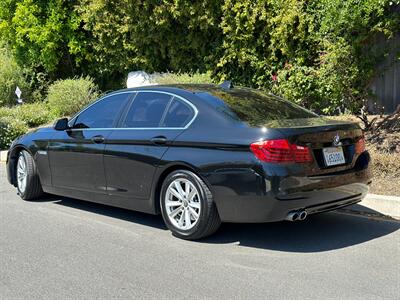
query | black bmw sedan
[198, 155]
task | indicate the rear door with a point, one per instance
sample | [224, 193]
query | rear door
[133, 151]
[76, 154]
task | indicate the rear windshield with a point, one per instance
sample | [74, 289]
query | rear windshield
[253, 107]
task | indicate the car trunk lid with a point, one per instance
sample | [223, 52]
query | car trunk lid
[318, 134]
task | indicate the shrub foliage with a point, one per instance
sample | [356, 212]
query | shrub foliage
[33, 114]
[321, 53]
[10, 128]
[66, 97]
[15, 121]
[11, 76]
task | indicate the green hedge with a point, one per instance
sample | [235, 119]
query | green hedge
[10, 128]
[32, 114]
[16, 120]
[321, 54]
[66, 97]
[11, 76]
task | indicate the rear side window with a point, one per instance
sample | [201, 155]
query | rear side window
[179, 114]
[253, 107]
[147, 110]
[102, 114]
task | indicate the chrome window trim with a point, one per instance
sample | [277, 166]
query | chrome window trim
[196, 112]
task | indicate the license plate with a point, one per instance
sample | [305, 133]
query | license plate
[334, 156]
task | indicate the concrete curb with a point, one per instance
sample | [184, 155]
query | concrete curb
[3, 156]
[377, 206]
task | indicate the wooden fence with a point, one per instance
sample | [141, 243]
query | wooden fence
[386, 86]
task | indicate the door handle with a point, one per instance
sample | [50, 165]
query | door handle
[159, 140]
[98, 139]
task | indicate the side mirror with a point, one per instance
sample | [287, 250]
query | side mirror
[61, 124]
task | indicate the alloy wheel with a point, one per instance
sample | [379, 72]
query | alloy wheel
[21, 174]
[182, 202]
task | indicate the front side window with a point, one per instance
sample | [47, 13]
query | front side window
[147, 110]
[102, 114]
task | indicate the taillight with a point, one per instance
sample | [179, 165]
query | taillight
[360, 145]
[281, 151]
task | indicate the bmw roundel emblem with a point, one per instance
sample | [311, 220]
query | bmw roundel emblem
[336, 140]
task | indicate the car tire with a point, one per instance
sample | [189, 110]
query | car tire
[198, 200]
[27, 177]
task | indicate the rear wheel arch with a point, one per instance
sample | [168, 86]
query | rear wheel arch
[203, 217]
[163, 176]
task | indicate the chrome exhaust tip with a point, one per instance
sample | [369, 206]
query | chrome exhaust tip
[292, 216]
[298, 215]
[302, 215]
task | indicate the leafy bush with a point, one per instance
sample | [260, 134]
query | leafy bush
[33, 114]
[299, 84]
[11, 76]
[43, 34]
[322, 53]
[15, 121]
[10, 128]
[155, 36]
[66, 97]
[5, 111]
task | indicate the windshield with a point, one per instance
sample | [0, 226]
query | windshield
[253, 107]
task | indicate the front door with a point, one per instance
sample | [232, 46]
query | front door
[76, 159]
[76, 155]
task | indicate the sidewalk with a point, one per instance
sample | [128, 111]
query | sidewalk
[3, 156]
[376, 206]
[381, 206]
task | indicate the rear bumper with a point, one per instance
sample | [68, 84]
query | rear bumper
[271, 209]
[271, 199]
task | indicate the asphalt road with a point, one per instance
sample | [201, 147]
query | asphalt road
[61, 248]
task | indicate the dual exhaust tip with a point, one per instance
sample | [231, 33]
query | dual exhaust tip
[298, 215]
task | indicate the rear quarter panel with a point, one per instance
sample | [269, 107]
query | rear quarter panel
[222, 158]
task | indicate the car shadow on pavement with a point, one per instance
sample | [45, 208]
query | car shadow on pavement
[110, 211]
[318, 233]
